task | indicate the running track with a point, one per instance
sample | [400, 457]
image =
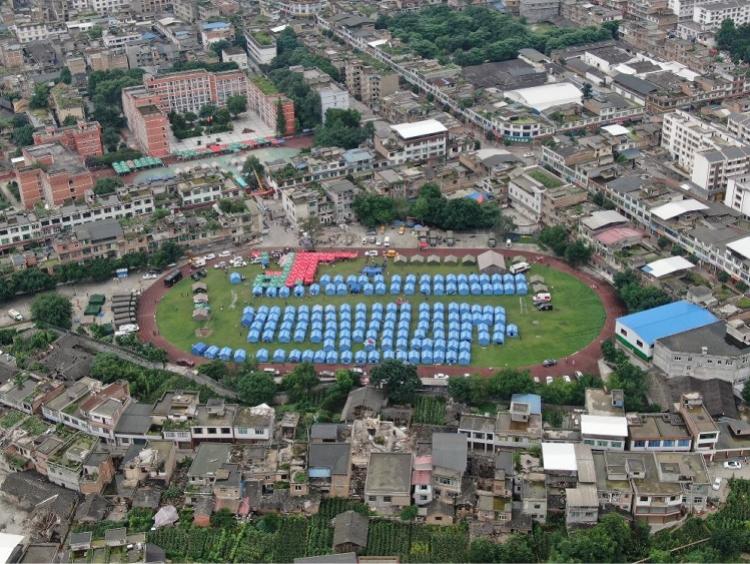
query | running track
[584, 360]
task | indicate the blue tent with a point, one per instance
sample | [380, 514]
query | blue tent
[330, 289]
[498, 337]
[362, 279]
[463, 289]
[329, 345]
[372, 270]
[304, 309]
[476, 289]
[520, 278]
[396, 278]
[253, 336]
[483, 339]
[438, 357]
[425, 289]
[409, 289]
[464, 358]
[299, 291]
[426, 357]
[473, 279]
[373, 357]
[325, 279]
[261, 355]
[414, 357]
[406, 307]
[295, 355]
[246, 321]
[416, 343]
[368, 289]
[522, 289]
[379, 289]
[451, 357]
[346, 357]
[508, 278]
[411, 279]
[424, 278]
[464, 346]
[389, 355]
[495, 278]
[308, 355]
[284, 292]
[438, 290]
[320, 357]
[267, 336]
[510, 289]
[285, 337]
[316, 336]
[257, 291]
[358, 335]
[438, 344]
[360, 357]
[486, 289]
[498, 289]
[314, 290]
[341, 289]
[198, 348]
[484, 278]
[271, 292]
[332, 357]
[248, 310]
[240, 355]
[386, 344]
[338, 279]
[345, 344]
[512, 330]
[402, 344]
[391, 308]
[378, 278]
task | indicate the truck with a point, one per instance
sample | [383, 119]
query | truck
[519, 267]
[15, 315]
[450, 239]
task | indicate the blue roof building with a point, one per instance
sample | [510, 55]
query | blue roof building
[639, 331]
[534, 401]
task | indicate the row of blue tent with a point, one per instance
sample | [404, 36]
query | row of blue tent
[213, 352]
[361, 357]
[438, 285]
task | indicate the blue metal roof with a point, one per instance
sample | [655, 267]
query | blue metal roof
[667, 320]
[534, 401]
[215, 25]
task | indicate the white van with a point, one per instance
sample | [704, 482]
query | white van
[15, 315]
[386, 241]
[542, 297]
[519, 267]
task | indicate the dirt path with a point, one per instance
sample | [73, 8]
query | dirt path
[584, 360]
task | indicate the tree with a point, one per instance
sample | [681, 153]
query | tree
[746, 392]
[460, 389]
[281, 126]
[505, 383]
[372, 210]
[300, 381]
[40, 97]
[223, 519]
[251, 170]
[255, 388]
[586, 90]
[483, 550]
[65, 75]
[556, 238]
[216, 370]
[228, 205]
[577, 253]
[400, 380]
[52, 309]
[312, 227]
[237, 104]
[108, 185]
[218, 46]
[69, 120]
[504, 226]
[408, 513]
[96, 32]
[342, 128]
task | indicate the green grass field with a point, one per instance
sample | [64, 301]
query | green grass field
[576, 320]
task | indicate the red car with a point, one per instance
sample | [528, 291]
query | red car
[185, 362]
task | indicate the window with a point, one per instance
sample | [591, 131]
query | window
[387, 498]
[537, 506]
[371, 498]
[602, 443]
[639, 443]
[667, 443]
[616, 444]
[639, 342]
[623, 332]
[643, 498]
[683, 442]
[588, 441]
[654, 444]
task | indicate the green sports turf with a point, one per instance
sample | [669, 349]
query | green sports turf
[575, 322]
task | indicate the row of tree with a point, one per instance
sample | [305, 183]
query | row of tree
[34, 280]
[105, 92]
[433, 209]
[342, 128]
[479, 34]
[629, 378]
[635, 295]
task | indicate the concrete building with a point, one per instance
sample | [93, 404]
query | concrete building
[66, 102]
[709, 155]
[266, 101]
[537, 193]
[213, 32]
[638, 332]
[146, 120]
[656, 432]
[189, 91]
[261, 46]
[300, 8]
[85, 138]
[604, 432]
[388, 483]
[716, 350]
[369, 84]
[703, 429]
[332, 97]
[449, 452]
[412, 142]
[53, 173]
[235, 55]
[539, 10]
[709, 15]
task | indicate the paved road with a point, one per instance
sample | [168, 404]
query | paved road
[584, 360]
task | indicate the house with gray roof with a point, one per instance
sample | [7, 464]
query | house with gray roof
[388, 483]
[350, 532]
[329, 468]
[449, 454]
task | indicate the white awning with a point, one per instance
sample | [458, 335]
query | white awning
[419, 128]
[604, 425]
[741, 247]
[666, 266]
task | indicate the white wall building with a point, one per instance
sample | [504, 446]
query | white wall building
[710, 15]
[26, 32]
[332, 97]
[604, 432]
[261, 46]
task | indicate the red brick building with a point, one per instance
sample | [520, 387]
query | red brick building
[52, 173]
[85, 138]
[147, 121]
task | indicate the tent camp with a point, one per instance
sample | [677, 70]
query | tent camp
[491, 262]
[416, 259]
[468, 259]
[200, 288]
[201, 314]
[400, 259]
[433, 259]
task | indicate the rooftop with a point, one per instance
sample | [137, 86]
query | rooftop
[604, 425]
[666, 266]
[667, 320]
[419, 128]
[559, 456]
[389, 472]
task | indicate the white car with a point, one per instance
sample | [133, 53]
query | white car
[225, 254]
[150, 276]
[733, 464]
[221, 264]
[441, 376]
[536, 380]
[549, 380]
[209, 256]
[372, 253]
[716, 486]
[566, 378]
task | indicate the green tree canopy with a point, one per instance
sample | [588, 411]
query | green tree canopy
[399, 379]
[300, 381]
[52, 309]
[255, 387]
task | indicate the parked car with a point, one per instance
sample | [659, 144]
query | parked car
[544, 306]
[536, 380]
[225, 254]
[549, 380]
[15, 315]
[372, 253]
[567, 378]
[716, 486]
[733, 464]
[150, 276]
[185, 362]
[441, 376]
[209, 256]
[549, 362]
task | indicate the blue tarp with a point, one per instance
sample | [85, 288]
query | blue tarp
[198, 348]
[240, 355]
[235, 278]
[225, 354]
[211, 352]
[261, 355]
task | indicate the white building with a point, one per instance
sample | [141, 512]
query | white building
[104, 7]
[710, 155]
[261, 46]
[737, 195]
[546, 96]
[710, 15]
[604, 432]
[26, 32]
[112, 40]
[235, 55]
[413, 142]
[332, 97]
[300, 8]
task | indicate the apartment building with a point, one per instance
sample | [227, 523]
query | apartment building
[261, 46]
[369, 84]
[213, 32]
[518, 427]
[702, 427]
[235, 55]
[85, 138]
[388, 482]
[604, 432]
[146, 120]
[300, 8]
[192, 11]
[707, 153]
[66, 102]
[107, 59]
[332, 97]
[99, 239]
[266, 101]
[114, 40]
[11, 54]
[27, 32]
[656, 432]
[709, 15]
[412, 142]
[53, 173]
[538, 194]
[538, 10]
